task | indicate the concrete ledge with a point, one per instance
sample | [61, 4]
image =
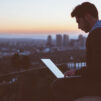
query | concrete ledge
[88, 98]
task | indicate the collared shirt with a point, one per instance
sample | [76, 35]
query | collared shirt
[97, 25]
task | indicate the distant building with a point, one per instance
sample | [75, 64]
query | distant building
[73, 43]
[81, 42]
[49, 41]
[59, 40]
[65, 40]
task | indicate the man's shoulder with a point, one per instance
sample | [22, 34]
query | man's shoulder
[97, 30]
[95, 33]
[94, 36]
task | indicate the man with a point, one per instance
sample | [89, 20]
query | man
[87, 18]
[89, 84]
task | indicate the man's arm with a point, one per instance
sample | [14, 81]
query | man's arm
[82, 71]
[73, 72]
[96, 53]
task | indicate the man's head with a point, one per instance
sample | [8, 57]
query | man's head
[86, 15]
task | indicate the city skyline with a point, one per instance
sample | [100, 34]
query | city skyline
[36, 16]
[38, 36]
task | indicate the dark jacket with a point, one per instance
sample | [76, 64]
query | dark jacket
[93, 55]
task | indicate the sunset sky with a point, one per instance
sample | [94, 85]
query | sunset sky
[39, 16]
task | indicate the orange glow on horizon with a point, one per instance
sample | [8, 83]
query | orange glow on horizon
[39, 31]
[39, 28]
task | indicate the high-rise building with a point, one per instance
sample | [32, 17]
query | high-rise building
[81, 41]
[49, 41]
[65, 40]
[59, 40]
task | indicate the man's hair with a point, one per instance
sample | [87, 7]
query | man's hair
[83, 9]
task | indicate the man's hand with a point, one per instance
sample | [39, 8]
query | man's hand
[71, 72]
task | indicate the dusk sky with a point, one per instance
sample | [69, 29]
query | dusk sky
[40, 16]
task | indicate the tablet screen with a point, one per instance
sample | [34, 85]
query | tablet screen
[53, 68]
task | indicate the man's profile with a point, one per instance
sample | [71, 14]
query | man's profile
[86, 15]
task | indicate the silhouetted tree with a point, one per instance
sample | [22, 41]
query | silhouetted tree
[16, 60]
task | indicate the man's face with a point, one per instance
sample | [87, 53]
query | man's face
[83, 24]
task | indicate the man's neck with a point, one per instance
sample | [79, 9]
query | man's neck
[93, 22]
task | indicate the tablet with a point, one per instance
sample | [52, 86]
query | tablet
[53, 68]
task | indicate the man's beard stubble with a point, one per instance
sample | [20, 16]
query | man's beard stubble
[86, 26]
